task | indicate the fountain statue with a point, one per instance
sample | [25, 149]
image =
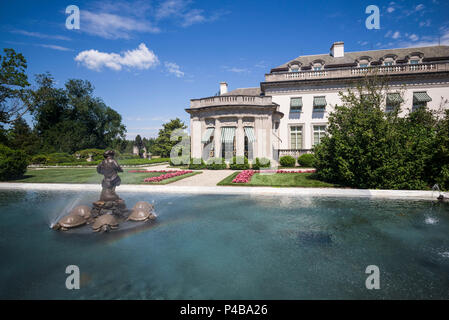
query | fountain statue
[110, 210]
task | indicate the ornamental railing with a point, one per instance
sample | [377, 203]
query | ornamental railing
[230, 100]
[357, 72]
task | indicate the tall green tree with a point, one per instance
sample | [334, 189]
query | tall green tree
[13, 86]
[163, 145]
[369, 148]
[71, 118]
[22, 137]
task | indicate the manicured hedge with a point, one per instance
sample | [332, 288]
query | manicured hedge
[216, 164]
[97, 154]
[239, 163]
[261, 163]
[307, 160]
[13, 163]
[179, 161]
[197, 164]
[287, 161]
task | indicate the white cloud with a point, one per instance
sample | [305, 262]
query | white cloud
[40, 35]
[419, 7]
[425, 23]
[179, 10]
[113, 26]
[426, 41]
[174, 69]
[389, 32]
[54, 47]
[140, 58]
[414, 37]
[396, 35]
[236, 70]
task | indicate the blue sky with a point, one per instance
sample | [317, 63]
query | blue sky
[147, 59]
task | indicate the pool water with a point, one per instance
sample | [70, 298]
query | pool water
[229, 247]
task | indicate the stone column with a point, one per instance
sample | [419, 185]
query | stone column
[240, 138]
[217, 139]
[195, 134]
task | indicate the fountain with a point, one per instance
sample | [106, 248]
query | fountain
[441, 197]
[110, 210]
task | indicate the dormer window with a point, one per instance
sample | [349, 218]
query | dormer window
[364, 61]
[294, 69]
[294, 66]
[389, 60]
[317, 65]
[415, 57]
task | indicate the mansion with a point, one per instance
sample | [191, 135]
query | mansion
[287, 114]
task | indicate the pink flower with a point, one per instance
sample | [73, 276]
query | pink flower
[244, 176]
[167, 175]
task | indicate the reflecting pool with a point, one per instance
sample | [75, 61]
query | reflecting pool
[228, 247]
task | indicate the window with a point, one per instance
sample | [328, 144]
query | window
[317, 68]
[363, 65]
[388, 63]
[318, 133]
[295, 105]
[294, 69]
[296, 137]
[414, 61]
[420, 99]
[319, 104]
[394, 101]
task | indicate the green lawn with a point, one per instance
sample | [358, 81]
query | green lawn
[279, 180]
[89, 175]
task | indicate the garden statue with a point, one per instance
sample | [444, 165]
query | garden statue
[110, 211]
[109, 168]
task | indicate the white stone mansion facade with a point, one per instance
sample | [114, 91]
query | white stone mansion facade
[288, 113]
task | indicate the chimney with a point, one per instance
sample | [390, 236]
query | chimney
[223, 88]
[338, 49]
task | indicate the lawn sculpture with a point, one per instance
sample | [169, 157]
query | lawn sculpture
[110, 210]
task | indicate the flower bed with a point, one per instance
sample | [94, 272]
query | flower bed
[166, 175]
[246, 175]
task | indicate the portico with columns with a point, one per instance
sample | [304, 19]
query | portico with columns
[239, 123]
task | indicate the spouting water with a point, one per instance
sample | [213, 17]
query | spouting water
[436, 188]
[56, 216]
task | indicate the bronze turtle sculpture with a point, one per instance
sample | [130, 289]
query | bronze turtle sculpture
[82, 211]
[143, 205]
[68, 222]
[141, 215]
[105, 223]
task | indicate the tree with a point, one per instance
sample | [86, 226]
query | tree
[163, 144]
[369, 148]
[22, 137]
[13, 86]
[71, 118]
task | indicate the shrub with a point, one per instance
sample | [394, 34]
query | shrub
[59, 157]
[261, 163]
[306, 160]
[13, 163]
[97, 154]
[239, 163]
[287, 161]
[39, 159]
[197, 164]
[180, 161]
[216, 164]
[126, 156]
